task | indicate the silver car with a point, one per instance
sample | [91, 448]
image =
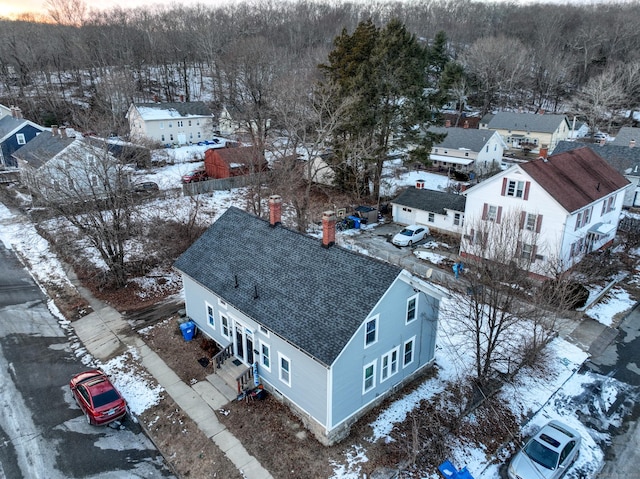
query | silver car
[548, 454]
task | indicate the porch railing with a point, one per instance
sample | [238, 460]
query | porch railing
[222, 356]
[245, 378]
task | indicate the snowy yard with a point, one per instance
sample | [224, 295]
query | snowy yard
[541, 399]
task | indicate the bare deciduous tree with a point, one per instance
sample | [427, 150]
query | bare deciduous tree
[90, 189]
[502, 321]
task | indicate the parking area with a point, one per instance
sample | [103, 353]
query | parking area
[376, 241]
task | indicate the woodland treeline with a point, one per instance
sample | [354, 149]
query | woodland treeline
[82, 64]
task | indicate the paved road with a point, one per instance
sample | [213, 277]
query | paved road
[42, 432]
[621, 360]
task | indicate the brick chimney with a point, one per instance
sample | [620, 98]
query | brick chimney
[544, 151]
[328, 229]
[632, 143]
[275, 210]
[156, 99]
[447, 123]
[419, 184]
[18, 113]
[63, 132]
[54, 130]
[13, 111]
[181, 98]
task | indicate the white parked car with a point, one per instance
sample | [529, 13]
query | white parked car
[548, 454]
[410, 235]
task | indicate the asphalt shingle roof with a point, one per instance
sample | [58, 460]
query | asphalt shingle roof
[624, 159]
[468, 138]
[431, 200]
[506, 120]
[42, 148]
[625, 135]
[575, 178]
[313, 297]
[9, 124]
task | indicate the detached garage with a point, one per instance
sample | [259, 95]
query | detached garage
[438, 210]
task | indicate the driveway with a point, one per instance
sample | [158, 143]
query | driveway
[377, 242]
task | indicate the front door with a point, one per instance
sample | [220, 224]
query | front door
[239, 342]
[243, 343]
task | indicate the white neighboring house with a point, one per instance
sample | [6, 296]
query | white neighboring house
[234, 121]
[468, 149]
[177, 123]
[438, 210]
[571, 202]
[60, 167]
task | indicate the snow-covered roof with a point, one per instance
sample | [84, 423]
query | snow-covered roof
[173, 110]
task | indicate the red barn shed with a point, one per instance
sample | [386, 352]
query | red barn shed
[227, 162]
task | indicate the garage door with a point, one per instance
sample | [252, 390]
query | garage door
[404, 215]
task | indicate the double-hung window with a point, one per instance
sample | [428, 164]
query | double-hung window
[515, 188]
[408, 352]
[411, 309]
[265, 356]
[389, 364]
[224, 322]
[369, 379]
[285, 369]
[210, 315]
[371, 332]
[20, 139]
[492, 213]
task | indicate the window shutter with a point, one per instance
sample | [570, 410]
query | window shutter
[538, 223]
[527, 185]
[484, 211]
[499, 215]
[534, 252]
[523, 217]
[473, 235]
[504, 186]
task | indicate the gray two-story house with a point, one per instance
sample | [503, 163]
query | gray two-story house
[333, 332]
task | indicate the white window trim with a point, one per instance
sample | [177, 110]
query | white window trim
[415, 310]
[225, 315]
[280, 358]
[212, 316]
[388, 355]
[375, 340]
[413, 351]
[20, 138]
[261, 343]
[364, 377]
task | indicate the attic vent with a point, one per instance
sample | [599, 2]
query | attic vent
[598, 187]
[235, 277]
[255, 292]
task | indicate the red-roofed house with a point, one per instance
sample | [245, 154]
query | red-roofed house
[228, 162]
[565, 206]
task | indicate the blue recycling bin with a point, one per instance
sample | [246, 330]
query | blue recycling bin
[356, 221]
[188, 329]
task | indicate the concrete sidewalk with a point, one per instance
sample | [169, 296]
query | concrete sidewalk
[106, 334]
